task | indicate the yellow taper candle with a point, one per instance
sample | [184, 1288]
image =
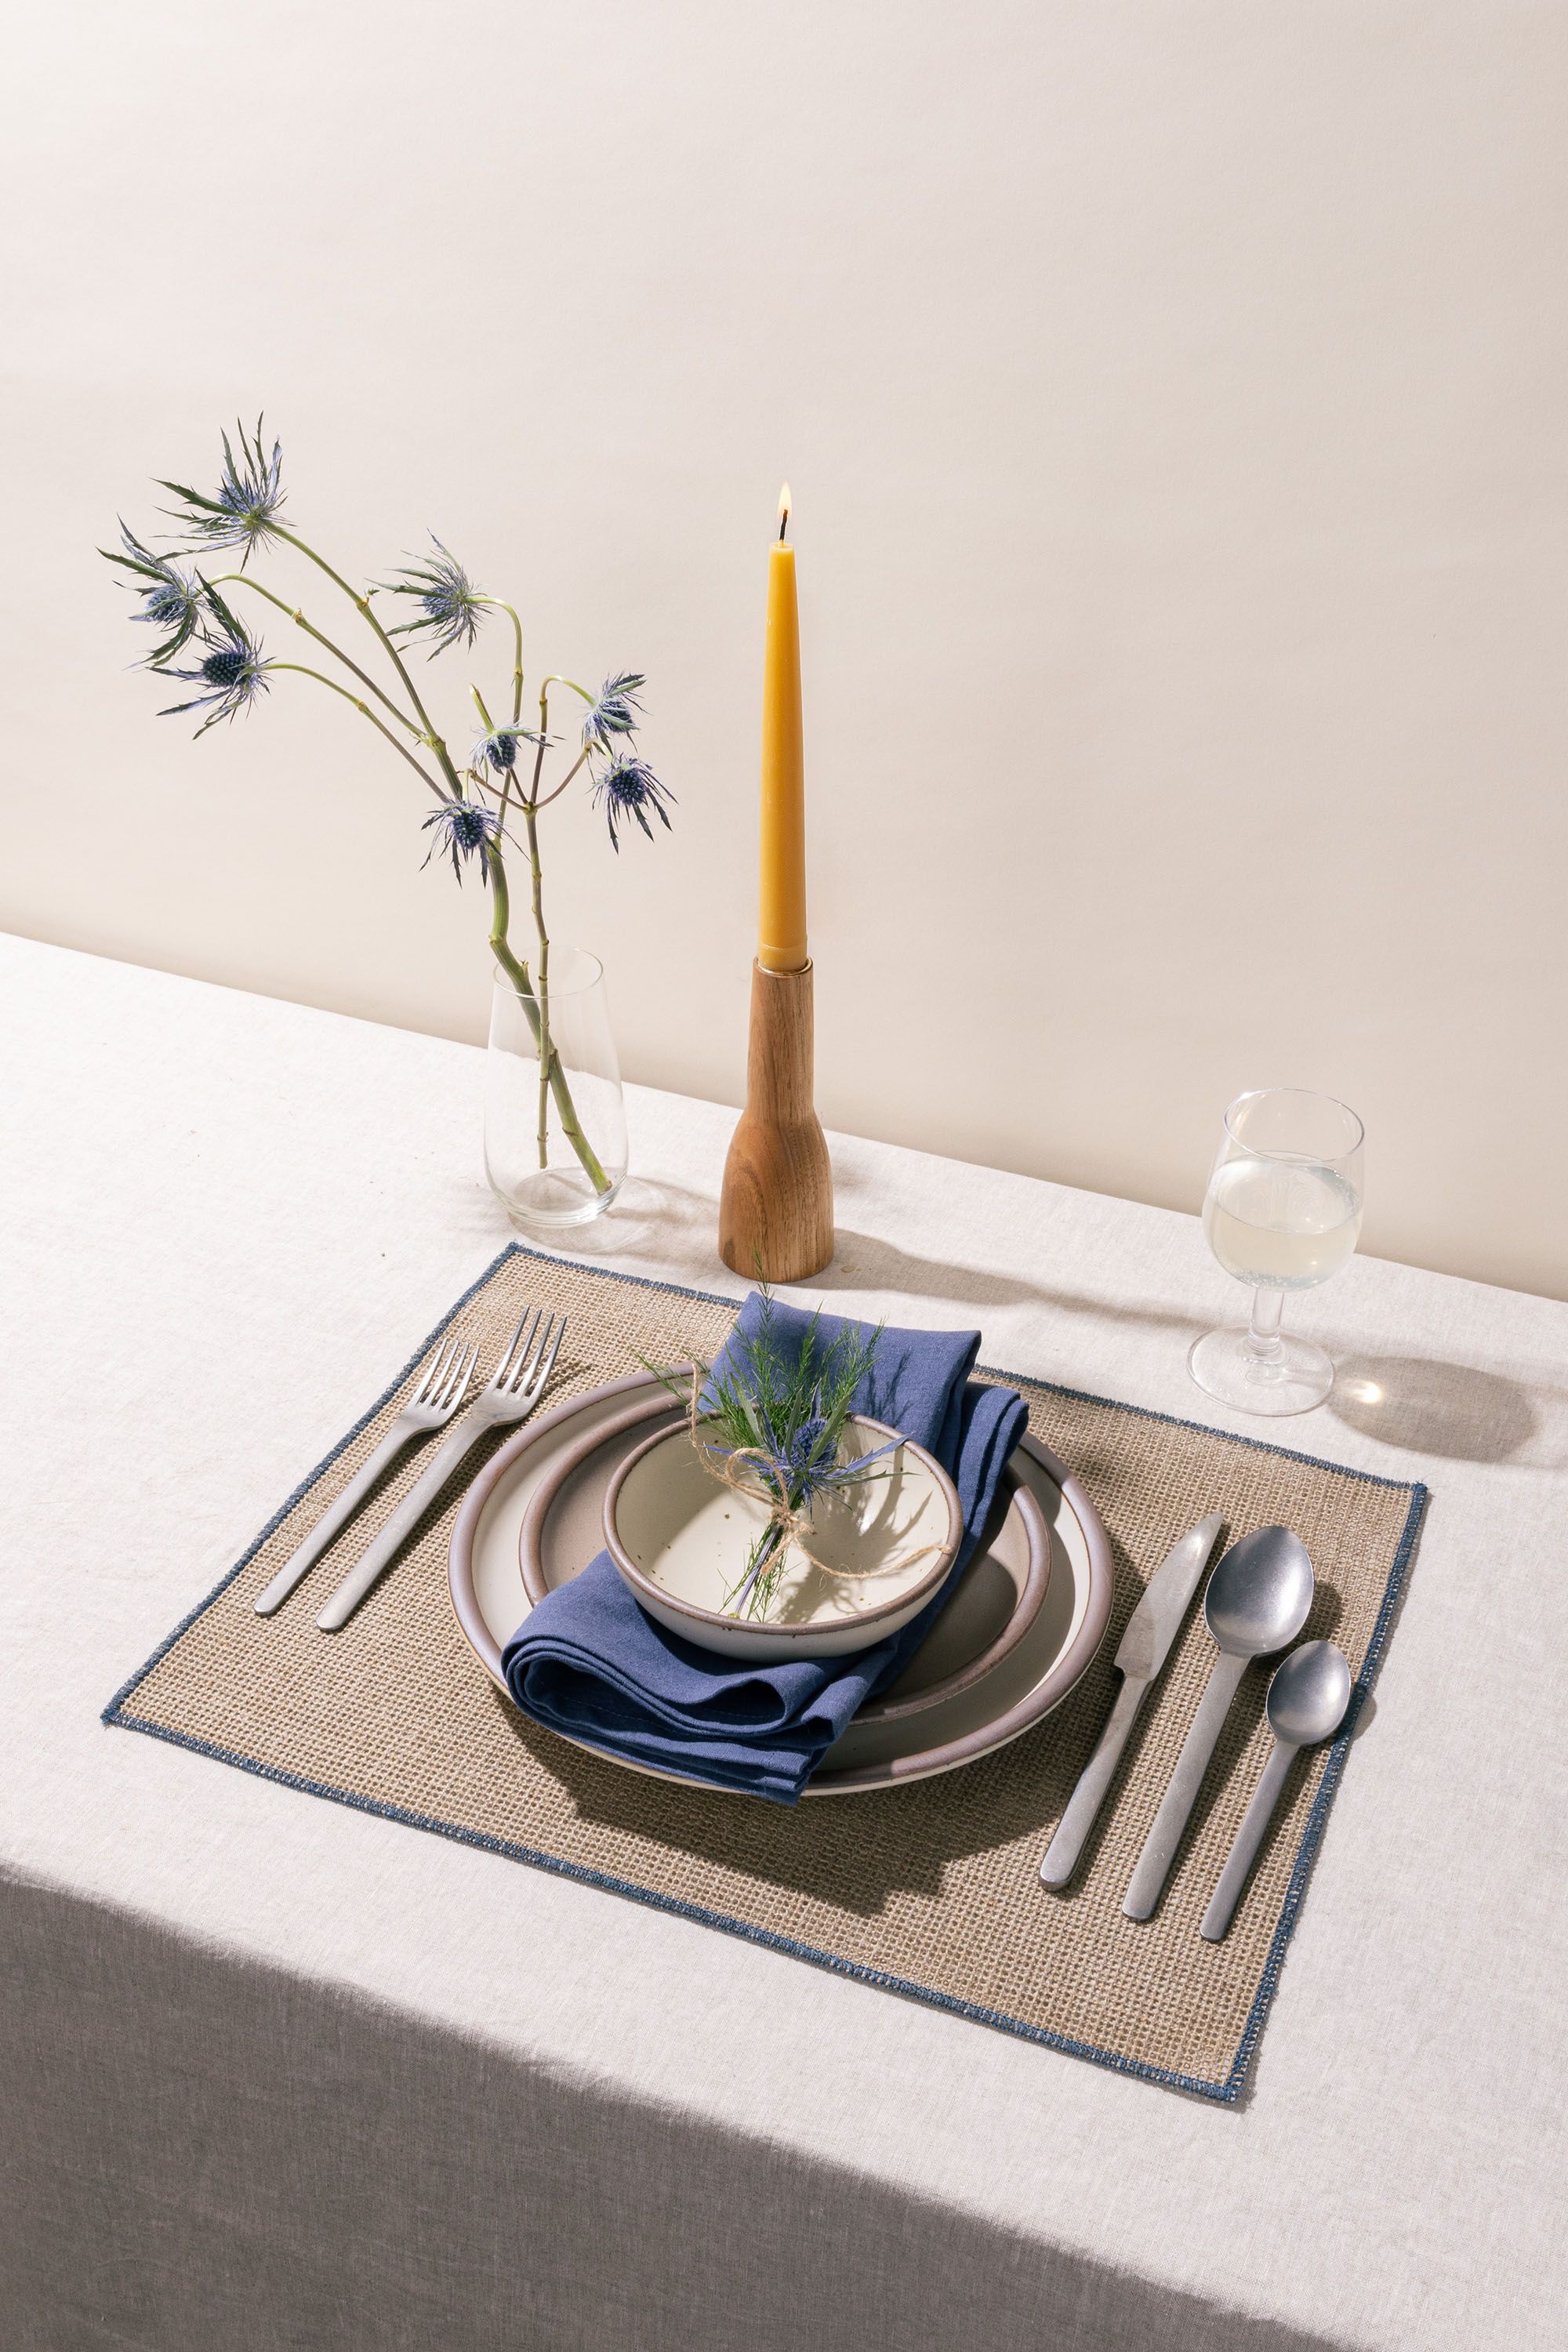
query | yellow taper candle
[782, 910]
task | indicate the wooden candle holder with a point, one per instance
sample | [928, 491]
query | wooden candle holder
[775, 1211]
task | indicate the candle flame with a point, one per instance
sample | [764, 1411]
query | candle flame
[785, 502]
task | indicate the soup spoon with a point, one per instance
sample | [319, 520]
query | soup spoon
[1257, 1602]
[1307, 1702]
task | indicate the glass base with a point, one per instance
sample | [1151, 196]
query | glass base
[554, 1197]
[1293, 1377]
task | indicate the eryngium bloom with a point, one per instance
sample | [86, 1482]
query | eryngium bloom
[171, 599]
[613, 710]
[450, 605]
[500, 749]
[232, 670]
[629, 788]
[465, 829]
[248, 497]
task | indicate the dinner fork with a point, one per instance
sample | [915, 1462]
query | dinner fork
[431, 1406]
[526, 1364]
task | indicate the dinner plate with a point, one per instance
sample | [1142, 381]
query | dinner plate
[538, 1503]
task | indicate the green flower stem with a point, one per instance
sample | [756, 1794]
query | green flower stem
[536, 1004]
[548, 1059]
[488, 723]
[302, 671]
[555, 678]
[475, 774]
[244, 580]
[565, 780]
[363, 604]
[531, 821]
[566, 1110]
[502, 607]
[543, 743]
[500, 922]
[755, 1589]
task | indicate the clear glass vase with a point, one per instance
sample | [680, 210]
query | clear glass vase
[555, 1124]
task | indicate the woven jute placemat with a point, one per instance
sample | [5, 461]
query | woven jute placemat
[930, 1890]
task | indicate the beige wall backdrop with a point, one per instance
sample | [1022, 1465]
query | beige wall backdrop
[1174, 399]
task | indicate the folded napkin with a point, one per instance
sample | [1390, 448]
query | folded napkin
[590, 1662]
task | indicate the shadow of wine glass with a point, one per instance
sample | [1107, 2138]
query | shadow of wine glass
[1430, 1406]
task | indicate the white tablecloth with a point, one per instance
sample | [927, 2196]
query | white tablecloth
[281, 2073]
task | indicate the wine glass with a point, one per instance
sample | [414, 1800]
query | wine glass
[1282, 1212]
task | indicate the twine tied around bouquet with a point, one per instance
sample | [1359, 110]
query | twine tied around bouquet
[771, 1480]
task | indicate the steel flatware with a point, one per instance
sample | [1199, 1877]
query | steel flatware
[1257, 1602]
[432, 1405]
[1145, 1645]
[1307, 1702]
[510, 1395]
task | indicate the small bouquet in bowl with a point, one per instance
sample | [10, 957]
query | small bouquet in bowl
[775, 1521]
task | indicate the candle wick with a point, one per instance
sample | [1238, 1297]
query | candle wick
[784, 521]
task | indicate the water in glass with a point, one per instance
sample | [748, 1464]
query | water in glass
[1282, 1213]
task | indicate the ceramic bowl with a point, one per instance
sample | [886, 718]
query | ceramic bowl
[679, 1539]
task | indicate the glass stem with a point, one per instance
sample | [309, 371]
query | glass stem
[1263, 1343]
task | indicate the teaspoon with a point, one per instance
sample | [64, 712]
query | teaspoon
[1307, 1702]
[1257, 1602]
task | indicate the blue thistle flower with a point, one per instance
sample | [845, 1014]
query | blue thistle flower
[171, 599]
[232, 670]
[614, 711]
[464, 829]
[628, 788]
[799, 1451]
[498, 749]
[451, 606]
[248, 497]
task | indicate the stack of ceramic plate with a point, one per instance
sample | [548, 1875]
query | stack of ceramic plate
[1019, 1631]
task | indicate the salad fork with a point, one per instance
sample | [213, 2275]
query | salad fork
[526, 1364]
[431, 1406]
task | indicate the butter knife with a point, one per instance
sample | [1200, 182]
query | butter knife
[1145, 1645]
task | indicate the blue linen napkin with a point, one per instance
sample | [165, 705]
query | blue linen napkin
[590, 1662]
